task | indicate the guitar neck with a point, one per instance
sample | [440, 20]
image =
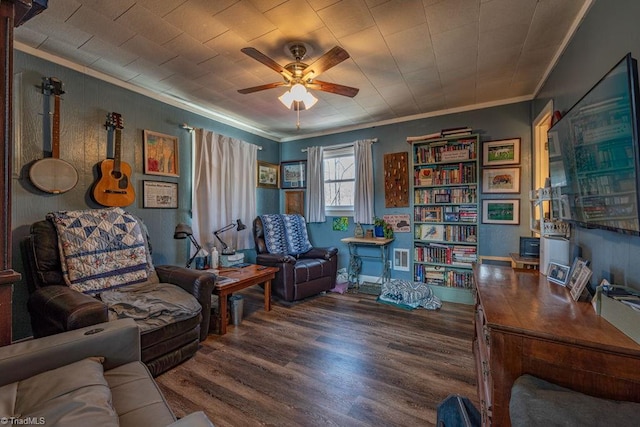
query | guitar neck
[55, 138]
[116, 150]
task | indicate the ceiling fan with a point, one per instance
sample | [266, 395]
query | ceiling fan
[300, 76]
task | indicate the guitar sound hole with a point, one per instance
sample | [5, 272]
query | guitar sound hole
[116, 174]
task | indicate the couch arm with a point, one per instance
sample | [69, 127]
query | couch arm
[117, 341]
[324, 253]
[198, 283]
[56, 309]
[274, 259]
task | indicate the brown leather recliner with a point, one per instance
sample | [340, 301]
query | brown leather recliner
[299, 276]
[55, 308]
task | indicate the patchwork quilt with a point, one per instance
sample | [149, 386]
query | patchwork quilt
[100, 249]
[285, 234]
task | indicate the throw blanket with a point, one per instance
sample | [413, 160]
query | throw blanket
[285, 234]
[410, 295]
[151, 305]
[100, 248]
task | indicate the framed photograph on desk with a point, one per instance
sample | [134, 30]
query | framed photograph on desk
[558, 273]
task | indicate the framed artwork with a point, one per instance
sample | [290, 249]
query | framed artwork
[581, 283]
[294, 202]
[503, 211]
[558, 273]
[501, 152]
[160, 154]
[293, 174]
[501, 180]
[576, 268]
[442, 198]
[430, 214]
[268, 175]
[159, 195]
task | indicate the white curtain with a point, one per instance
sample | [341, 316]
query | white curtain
[224, 189]
[315, 186]
[363, 191]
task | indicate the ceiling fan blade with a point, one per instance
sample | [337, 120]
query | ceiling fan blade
[326, 61]
[264, 59]
[261, 87]
[333, 88]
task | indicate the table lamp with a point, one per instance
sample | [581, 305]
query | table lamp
[183, 231]
[226, 250]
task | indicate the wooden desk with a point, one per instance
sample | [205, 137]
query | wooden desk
[525, 324]
[518, 261]
[355, 259]
[245, 277]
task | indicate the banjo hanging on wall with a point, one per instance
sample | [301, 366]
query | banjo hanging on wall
[52, 174]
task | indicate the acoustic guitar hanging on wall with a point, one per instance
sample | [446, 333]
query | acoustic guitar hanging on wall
[113, 187]
[52, 174]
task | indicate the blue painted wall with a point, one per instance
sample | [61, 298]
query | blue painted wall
[609, 31]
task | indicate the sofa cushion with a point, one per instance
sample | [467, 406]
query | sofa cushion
[100, 248]
[136, 397]
[72, 395]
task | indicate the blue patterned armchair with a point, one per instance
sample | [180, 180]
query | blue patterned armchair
[282, 241]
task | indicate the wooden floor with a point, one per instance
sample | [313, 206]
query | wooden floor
[334, 360]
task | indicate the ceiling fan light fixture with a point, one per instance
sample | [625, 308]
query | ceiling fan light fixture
[309, 100]
[286, 99]
[298, 91]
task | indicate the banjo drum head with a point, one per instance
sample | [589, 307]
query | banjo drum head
[53, 175]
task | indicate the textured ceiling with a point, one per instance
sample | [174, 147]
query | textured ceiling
[409, 58]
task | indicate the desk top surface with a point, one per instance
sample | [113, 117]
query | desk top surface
[378, 241]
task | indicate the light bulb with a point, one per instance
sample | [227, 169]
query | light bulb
[287, 99]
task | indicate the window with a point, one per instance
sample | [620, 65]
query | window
[339, 181]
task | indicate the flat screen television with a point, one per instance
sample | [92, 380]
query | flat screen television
[594, 154]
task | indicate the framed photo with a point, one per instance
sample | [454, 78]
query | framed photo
[501, 180]
[159, 195]
[558, 273]
[442, 198]
[576, 268]
[501, 152]
[451, 217]
[503, 211]
[581, 283]
[294, 202]
[268, 175]
[160, 154]
[293, 174]
[430, 214]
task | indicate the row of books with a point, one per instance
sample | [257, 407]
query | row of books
[447, 233]
[443, 133]
[462, 173]
[440, 276]
[458, 255]
[463, 149]
[449, 213]
[467, 194]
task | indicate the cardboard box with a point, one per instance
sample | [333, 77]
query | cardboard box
[621, 316]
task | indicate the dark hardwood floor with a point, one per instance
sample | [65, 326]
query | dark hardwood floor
[334, 360]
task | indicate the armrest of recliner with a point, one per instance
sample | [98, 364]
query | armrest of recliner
[324, 253]
[117, 341]
[274, 259]
[57, 308]
[197, 282]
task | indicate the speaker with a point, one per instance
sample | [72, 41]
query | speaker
[554, 249]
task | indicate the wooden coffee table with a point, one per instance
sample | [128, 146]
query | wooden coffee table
[244, 277]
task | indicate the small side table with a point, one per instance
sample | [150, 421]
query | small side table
[355, 259]
[518, 261]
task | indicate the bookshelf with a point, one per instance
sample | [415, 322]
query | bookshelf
[445, 213]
